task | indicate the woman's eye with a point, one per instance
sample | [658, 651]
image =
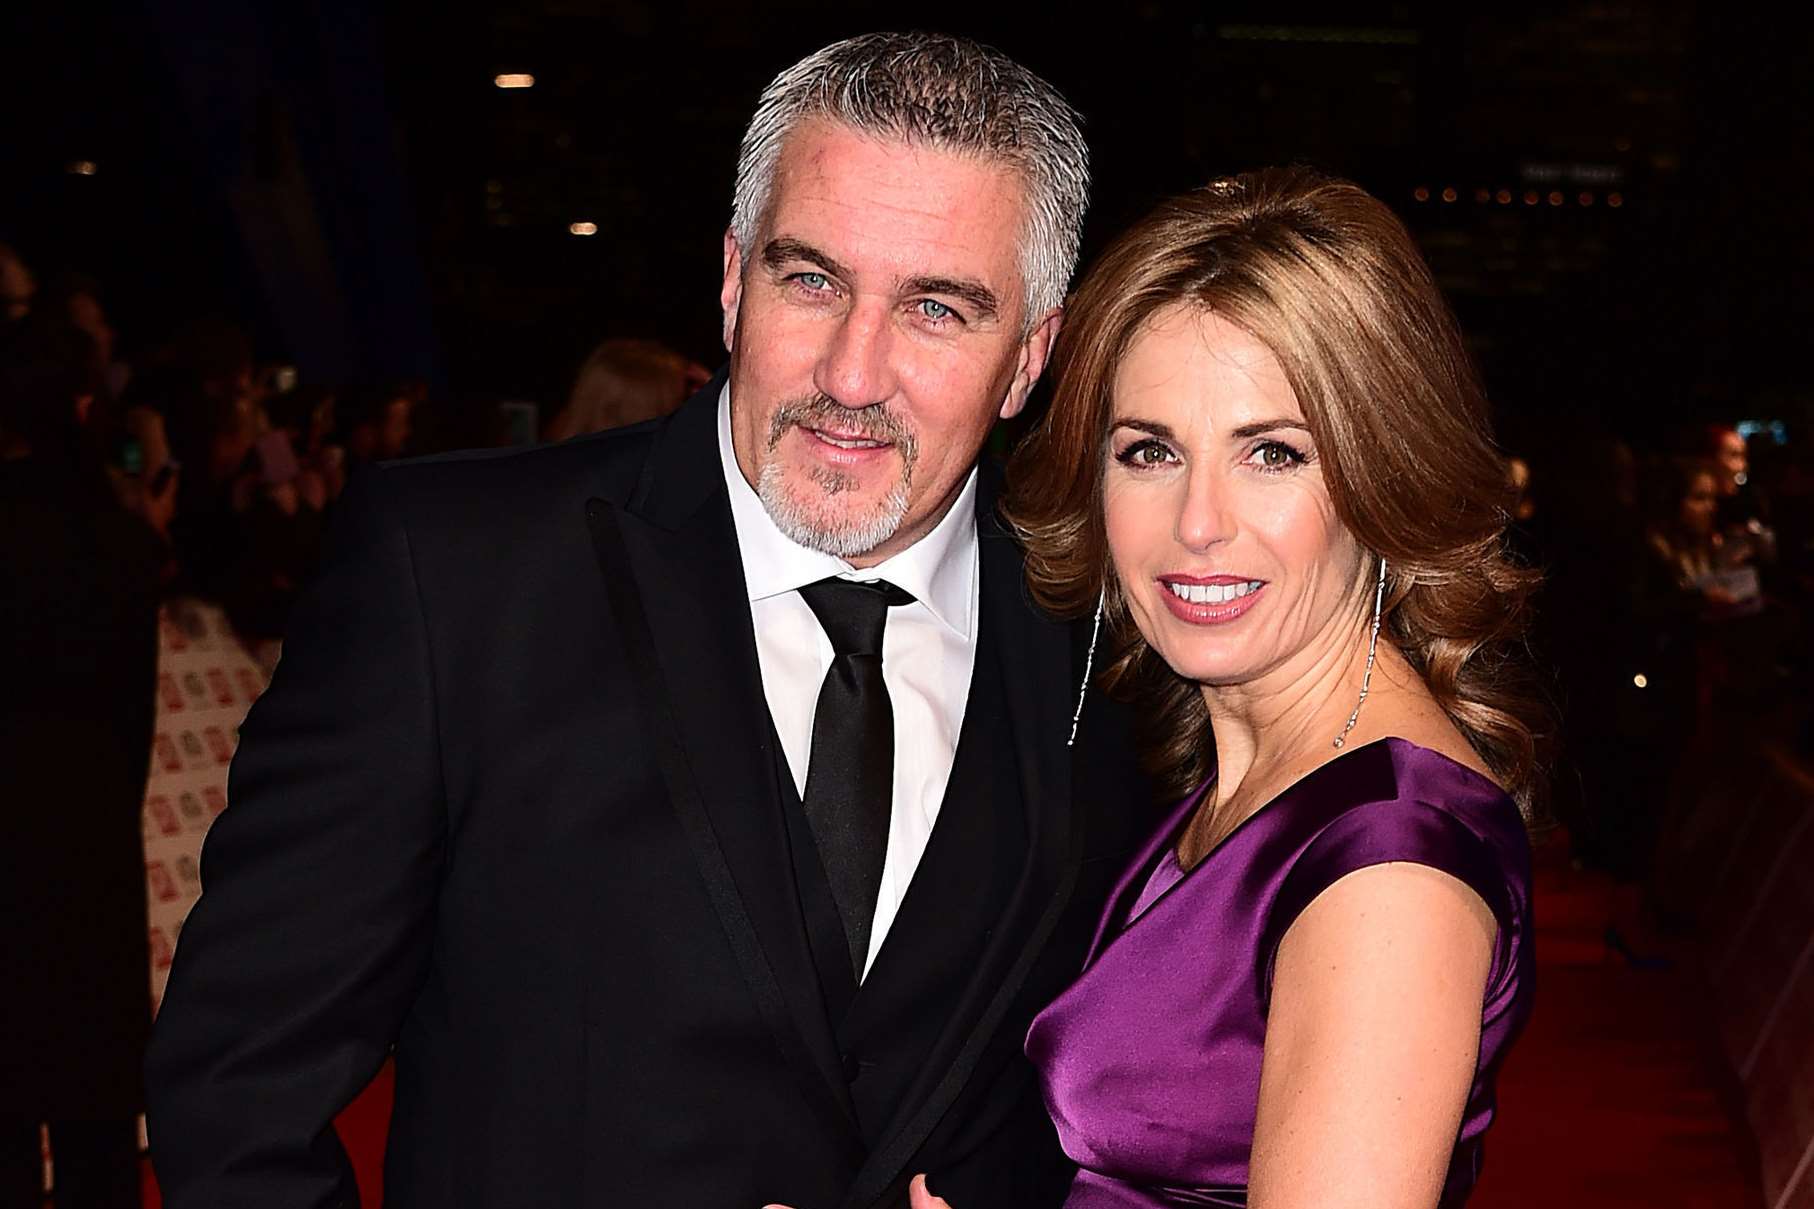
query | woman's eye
[1276, 455]
[1142, 454]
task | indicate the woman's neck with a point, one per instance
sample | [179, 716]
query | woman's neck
[1272, 730]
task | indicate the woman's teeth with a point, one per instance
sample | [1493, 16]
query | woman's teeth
[1212, 593]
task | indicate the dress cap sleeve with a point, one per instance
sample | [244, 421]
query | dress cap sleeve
[1379, 833]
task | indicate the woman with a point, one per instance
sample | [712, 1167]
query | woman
[1267, 466]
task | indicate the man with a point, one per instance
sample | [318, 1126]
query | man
[580, 781]
[78, 654]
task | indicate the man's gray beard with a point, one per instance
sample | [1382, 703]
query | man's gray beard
[820, 527]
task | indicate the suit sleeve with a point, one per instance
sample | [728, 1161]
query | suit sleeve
[311, 938]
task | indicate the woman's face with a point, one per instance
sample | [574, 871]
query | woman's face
[1734, 463]
[1220, 527]
[1699, 503]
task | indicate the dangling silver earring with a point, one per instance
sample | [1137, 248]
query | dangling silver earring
[1089, 662]
[1379, 596]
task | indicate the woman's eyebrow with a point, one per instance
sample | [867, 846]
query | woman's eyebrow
[1264, 426]
[1151, 427]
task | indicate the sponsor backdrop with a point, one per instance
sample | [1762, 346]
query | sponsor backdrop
[206, 681]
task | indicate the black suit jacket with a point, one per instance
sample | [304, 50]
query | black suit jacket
[509, 804]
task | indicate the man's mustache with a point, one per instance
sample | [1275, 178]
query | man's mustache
[872, 423]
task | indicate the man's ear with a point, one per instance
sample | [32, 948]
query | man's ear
[730, 291]
[1035, 351]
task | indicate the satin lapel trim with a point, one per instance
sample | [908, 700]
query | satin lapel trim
[680, 604]
[1033, 654]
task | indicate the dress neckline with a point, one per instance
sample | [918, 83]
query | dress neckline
[1168, 850]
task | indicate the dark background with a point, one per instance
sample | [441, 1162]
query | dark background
[348, 183]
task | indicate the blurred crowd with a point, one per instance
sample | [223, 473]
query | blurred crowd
[235, 465]
[1674, 617]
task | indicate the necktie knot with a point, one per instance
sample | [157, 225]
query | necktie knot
[853, 615]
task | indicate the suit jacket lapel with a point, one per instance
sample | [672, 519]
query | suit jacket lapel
[671, 564]
[1035, 660]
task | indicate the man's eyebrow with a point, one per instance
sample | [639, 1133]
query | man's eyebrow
[980, 297]
[779, 252]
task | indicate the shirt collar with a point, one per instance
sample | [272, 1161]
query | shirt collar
[939, 570]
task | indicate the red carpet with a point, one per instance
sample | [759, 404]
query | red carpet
[1613, 1097]
[1616, 1095]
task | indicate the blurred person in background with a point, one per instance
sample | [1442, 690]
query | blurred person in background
[78, 660]
[377, 422]
[308, 415]
[17, 286]
[76, 298]
[625, 382]
[1523, 535]
[1743, 516]
[1686, 545]
[248, 533]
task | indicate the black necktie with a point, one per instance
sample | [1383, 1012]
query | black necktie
[850, 775]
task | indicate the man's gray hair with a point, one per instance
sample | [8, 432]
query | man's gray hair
[949, 93]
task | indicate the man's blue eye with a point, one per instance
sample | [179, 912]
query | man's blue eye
[933, 309]
[813, 281]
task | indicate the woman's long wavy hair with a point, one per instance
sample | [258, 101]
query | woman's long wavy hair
[1328, 279]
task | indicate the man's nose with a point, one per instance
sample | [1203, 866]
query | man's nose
[856, 369]
[1205, 514]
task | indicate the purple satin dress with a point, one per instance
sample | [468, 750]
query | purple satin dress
[1150, 1061]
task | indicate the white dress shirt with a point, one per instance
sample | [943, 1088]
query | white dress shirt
[928, 652]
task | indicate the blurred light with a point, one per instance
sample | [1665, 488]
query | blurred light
[1586, 199]
[1421, 193]
[1615, 200]
[1530, 197]
[1483, 196]
[1503, 197]
[494, 186]
[82, 168]
[515, 79]
[1448, 195]
[582, 228]
[1555, 197]
[1641, 680]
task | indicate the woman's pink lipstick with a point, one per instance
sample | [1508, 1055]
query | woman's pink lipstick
[1206, 613]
